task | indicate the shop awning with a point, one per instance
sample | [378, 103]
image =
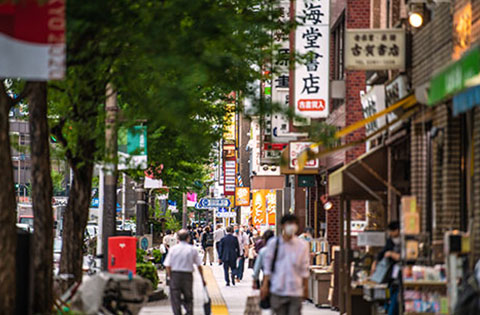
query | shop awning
[362, 179]
[466, 100]
[407, 104]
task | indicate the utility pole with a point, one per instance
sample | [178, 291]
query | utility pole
[184, 211]
[140, 208]
[110, 185]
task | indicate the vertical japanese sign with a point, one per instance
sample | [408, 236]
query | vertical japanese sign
[271, 206]
[230, 169]
[32, 40]
[259, 209]
[281, 75]
[312, 40]
[242, 196]
[367, 49]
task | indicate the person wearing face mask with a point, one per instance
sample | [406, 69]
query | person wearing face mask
[286, 273]
[392, 250]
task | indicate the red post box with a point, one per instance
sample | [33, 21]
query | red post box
[122, 251]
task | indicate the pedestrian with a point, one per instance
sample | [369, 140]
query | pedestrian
[252, 252]
[258, 267]
[391, 253]
[207, 245]
[169, 240]
[243, 243]
[286, 273]
[229, 253]
[191, 233]
[307, 234]
[180, 264]
[217, 237]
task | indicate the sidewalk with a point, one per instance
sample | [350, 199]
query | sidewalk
[225, 300]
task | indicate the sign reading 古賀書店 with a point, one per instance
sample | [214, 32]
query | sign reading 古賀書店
[375, 49]
[312, 42]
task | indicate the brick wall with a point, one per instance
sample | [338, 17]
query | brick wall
[432, 45]
[333, 222]
[475, 218]
[418, 168]
[446, 172]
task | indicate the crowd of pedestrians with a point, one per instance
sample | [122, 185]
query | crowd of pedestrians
[280, 263]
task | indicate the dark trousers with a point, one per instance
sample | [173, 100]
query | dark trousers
[226, 266]
[181, 293]
[239, 269]
[286, 305]
[217, 247]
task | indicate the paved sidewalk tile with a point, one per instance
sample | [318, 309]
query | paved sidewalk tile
[235, 297]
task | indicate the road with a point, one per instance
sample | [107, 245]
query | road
[225, 300]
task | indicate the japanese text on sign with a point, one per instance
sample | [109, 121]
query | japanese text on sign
[367, 49]
[312, 42]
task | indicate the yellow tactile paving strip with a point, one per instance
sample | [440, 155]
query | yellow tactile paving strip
[219, 307]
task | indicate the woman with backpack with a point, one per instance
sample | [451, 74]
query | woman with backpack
[207, 245]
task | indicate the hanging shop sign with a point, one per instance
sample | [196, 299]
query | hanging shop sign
[230, 178]
[295, 148]
[462, 30]
[258, 208]
[229, 125]
[32, 40]
[132, 148]
[242, 196]
[373, 102]
[454, 77]
[271, 205]
[312, 40]
[375, 49]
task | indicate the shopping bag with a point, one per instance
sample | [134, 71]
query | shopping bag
[253, 305]
[382, 270]
[207, 302]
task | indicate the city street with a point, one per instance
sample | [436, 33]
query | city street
[225, 300]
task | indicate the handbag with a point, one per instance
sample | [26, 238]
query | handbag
[265, 302]
[382, 270]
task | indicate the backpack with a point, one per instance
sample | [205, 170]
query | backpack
[468, 298]
[209, 239]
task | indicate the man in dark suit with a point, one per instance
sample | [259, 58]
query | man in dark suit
[229, 253]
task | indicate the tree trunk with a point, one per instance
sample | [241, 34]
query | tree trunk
[8, 236]
[42, 250]
[75, 219]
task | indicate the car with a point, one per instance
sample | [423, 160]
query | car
[26, 227]
[26, 219]
[57, 252]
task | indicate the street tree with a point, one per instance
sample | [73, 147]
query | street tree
[169, 61]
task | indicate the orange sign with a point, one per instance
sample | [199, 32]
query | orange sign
[271, 205]
[242, 196]
[258, 208]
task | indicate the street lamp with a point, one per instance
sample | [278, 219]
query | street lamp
[415, 19]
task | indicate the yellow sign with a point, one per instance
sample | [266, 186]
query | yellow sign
[229, 125]
[462, 30]
[242, 196]
[271, 205]
[259, 209]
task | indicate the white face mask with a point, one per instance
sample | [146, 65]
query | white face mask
[396, 240]
[290, 229]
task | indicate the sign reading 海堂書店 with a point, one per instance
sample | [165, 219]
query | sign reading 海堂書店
[312, 42]
[375, 49]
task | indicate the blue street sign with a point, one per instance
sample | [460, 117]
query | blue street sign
[205, 203]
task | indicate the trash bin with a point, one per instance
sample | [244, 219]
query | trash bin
[122, 251]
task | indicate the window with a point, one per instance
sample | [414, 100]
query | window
[338, 34]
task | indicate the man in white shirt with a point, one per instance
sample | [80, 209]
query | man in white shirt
[286, 265]
[217, 237]
[243, 242]
[180, 263]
